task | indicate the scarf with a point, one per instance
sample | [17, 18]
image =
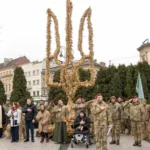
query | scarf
[0, 116]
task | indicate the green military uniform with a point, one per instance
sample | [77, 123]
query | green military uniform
[146, 123]
[122, 123]
[126, 117]
[78, 107]
[116, 114]
[137, 116]
[60, 132]
[101, 120]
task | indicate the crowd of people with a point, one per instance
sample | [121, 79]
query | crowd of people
[131, 117]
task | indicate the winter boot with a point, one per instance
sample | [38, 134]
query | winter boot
[135, 144]
[112, 142]
[47, 140]
[42, 140]
[117, 143]
[139, 144]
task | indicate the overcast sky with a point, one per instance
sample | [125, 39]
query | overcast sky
[120, 27]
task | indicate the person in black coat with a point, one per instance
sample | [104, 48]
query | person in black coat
[2, 120]
[30, 115]
[82, 123]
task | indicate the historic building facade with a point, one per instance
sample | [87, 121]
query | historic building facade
[7, 71]
[144, 51]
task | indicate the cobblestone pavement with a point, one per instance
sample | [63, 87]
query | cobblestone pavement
[125, 144]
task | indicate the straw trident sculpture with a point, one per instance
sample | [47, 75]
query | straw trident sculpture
[69, 79]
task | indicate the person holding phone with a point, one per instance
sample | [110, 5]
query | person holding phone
[15, 117]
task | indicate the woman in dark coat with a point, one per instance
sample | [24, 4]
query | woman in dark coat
[82, 123]
[2, 120]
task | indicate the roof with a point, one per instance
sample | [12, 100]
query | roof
[15, 62]
[142, 46]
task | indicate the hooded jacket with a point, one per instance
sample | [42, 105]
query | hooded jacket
[78, 119]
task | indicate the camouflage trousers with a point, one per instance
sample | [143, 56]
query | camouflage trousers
[137, 130]
[146, 130]
[100, 135]
[127, 125]
[116, 130]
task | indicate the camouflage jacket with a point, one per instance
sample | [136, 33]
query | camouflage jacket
[116, 111]
[147, 112]
[77, 108]
[126, 110]
[137, 112]
[61, 116]
[101, 115]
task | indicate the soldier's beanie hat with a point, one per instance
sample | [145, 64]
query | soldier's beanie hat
[135, 96]
[113, 97]
[99, 94]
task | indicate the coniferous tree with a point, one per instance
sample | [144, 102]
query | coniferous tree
[116, 86]
[2, 93]
[122, 75]
[130, 86]
[19, 92]
[56, 93]
[101, 85]
[111, 70]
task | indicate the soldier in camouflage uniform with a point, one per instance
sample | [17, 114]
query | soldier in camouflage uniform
[78, 107]
[120, 101]
[146, 123]
[117, 115]
[137, 116]
[101, 119]
[126, 117]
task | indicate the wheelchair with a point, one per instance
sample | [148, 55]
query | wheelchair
[81, 137]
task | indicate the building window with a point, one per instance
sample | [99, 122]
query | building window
[38, 93]
[29, 83]
[33, 82]
[33, 73]
[6, 88]
[33, 93]
[37, 72]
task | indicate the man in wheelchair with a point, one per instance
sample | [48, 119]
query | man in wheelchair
[82, 129]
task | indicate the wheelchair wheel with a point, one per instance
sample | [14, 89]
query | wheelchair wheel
[71, 145]
[87, 145]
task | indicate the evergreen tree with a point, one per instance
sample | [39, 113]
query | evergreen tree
[19, 92]
[122, 75]
[111, 70]
[101, 85]
[84, 92]
[130, 85]
[56, 93]
[2, 93]
[116, 86]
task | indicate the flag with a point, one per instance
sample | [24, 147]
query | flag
[139, 87]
